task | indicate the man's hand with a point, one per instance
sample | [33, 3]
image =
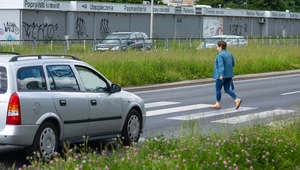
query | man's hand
[221, 77]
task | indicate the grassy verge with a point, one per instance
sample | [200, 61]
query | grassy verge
[133, 68]
[252, 147]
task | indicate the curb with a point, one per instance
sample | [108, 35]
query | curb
[208, 80]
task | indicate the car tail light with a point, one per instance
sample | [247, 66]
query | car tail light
[13, 111]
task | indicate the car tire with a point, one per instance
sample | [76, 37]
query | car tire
[132, 128]
[45, 141]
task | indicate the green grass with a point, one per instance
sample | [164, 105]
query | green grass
[134, 68]
[252, 147]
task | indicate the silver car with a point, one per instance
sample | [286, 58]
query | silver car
[231, 40]
[46, 99]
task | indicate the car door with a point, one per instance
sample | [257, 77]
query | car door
[71, 104]
[105, 107]
[132, 42]
[139, 41]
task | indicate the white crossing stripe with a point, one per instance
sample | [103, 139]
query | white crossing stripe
[157, 104]
[245, 118]
[283, 94]
[211, 113]
[176, 109]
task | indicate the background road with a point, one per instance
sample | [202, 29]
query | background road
[170, 106]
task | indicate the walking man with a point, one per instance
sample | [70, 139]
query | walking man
[223, 73]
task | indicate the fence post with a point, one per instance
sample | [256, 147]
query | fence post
[278, 42]
[65, 46]
[13, 47]
[297, 39]
[143, 43]
[84, 46]
[155, 44]
[166, 44]
[270, 40]
[292, 41]
[33, 45]
[68, 45]
[190, 42]
[186, 43]
[179, 43]
[93, 47]
[120, 44]
[51, 45]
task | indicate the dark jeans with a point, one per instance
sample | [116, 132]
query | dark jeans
[226, 82]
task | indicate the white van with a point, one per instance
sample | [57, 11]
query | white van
[231, 40]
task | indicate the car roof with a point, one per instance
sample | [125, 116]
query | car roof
[226, 36]
[127, 32]
[36, 58]
[6, 58]
[122, 32]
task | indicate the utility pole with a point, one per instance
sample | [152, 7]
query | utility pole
[151, 21]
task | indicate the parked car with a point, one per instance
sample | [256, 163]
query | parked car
[46, 99]
[231, 40]
[125, 41]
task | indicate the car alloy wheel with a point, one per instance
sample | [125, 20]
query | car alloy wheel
[132, 127]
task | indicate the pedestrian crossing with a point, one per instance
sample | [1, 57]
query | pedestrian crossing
[225, 116]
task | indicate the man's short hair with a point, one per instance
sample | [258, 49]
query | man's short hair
[222, 44]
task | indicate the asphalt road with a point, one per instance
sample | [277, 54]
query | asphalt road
[263, 98]
[171, 106]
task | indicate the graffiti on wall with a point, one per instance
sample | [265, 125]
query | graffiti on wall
[9, 30]
[80, 27]
[11, 27]
[41, 31]
[238, 29]
[104, 28]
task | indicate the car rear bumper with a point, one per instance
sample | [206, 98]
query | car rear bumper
[21, 135]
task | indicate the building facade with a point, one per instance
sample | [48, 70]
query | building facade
[56, 20]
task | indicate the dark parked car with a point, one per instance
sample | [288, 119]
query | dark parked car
[125, 41]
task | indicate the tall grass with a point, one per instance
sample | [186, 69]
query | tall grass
[132, 68]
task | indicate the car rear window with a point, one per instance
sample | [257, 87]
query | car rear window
[3, 80]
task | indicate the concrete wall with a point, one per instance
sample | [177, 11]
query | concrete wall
[45, 25]
[163, 26]
[10, 24]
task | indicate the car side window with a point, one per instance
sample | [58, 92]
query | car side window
[132, 37]
[91, 80]
[3, 80]
[139, 37]
[31, 78]
[61, 78]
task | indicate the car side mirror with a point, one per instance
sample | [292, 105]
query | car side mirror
[115, 88]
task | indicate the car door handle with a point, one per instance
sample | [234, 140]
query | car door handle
[93, 102]
[63, 102]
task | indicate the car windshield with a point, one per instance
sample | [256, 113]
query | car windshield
[114, 38]
[213, 40]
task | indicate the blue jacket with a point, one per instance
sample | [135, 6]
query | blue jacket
[224, 64]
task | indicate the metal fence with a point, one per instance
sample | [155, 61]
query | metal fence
[75, 45]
